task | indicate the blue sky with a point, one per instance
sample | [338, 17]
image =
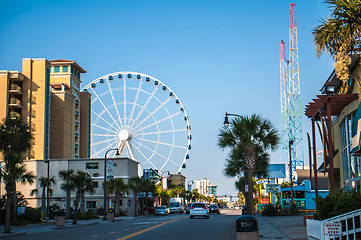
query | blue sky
[217, 56]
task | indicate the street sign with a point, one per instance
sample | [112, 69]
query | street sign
[145, 174]
[273, 188]
[332, 228]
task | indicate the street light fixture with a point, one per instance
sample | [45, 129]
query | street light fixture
[105, 181]
[226, 122]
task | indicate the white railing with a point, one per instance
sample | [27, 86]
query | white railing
[350, 224]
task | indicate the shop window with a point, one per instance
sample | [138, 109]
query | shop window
[91, 204]
[91, 165]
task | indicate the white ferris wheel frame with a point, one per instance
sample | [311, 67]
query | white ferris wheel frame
[133, 124]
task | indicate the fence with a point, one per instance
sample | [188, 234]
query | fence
[350, 225]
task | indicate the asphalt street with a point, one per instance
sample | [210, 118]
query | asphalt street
[174, 226]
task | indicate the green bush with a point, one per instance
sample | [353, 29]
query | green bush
[32, 215]
[337, 203]
[87, 216]
[269, 210]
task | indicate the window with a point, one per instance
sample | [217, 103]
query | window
[76, 128]
[76, 139]
[351, 164]
[56, 69]
[91, 165]
[91, 204]
[95, 184]
[65, 69]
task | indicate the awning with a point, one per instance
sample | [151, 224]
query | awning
[338, 103]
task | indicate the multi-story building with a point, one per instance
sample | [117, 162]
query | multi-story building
[46, 95]
[204, 187]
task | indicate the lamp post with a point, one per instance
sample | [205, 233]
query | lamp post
[47, 191]
[105, 181]
[290, 143]
[226, 122]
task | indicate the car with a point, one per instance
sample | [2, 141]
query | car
[198, 209]
[188, 208]
[161, 210]
[213, 208]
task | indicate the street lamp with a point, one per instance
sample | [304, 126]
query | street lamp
[105, 181]
[290, 143]
[47, 191]
[226, 122]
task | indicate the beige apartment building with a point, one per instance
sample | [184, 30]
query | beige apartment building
[46, 95]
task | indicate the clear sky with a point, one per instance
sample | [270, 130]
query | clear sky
[217, 56]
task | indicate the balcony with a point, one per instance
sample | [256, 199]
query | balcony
[14, 115]
[15, 89]
[14, 102]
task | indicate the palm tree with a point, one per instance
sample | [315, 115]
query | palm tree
[339, 35]
[45, 184]
[68, 187]
[135, 184]
[148, 187]
[82, 183]
[247, 137]
[118, 187]
[15, 139]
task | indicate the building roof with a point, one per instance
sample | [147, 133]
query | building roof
[304, 174]
[62, 61]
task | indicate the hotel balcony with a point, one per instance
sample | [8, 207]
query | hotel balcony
[14, 102]
[14, 115]
[15, 89]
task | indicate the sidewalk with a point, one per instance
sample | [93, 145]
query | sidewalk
[282, 227]
[50, 226]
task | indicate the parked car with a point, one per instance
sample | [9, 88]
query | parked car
[198, 209]
[213, 208]
[161, 210]
[188, 208]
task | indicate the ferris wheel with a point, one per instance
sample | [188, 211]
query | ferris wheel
[141, 117]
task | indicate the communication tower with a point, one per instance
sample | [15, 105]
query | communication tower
[290, 98]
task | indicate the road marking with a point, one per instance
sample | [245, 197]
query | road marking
[147, 229]
[95, 236]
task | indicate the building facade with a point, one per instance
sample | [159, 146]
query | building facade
[342, 104]
[46, 95]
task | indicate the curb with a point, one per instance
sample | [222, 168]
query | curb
[76, 225]
[11, 235]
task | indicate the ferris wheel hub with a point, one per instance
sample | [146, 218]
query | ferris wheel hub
[124, 135]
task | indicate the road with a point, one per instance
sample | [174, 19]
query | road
[174, 226]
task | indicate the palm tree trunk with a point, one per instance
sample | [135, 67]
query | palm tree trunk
[68, 203]
[135, 204]
[43, 204]
[14, 213]
[8, 209]
[75, 216]
[250, 200]
[117, 203]
[82, 202]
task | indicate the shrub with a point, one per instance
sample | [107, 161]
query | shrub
[269, 210]
[337, 203]
[32, 215]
